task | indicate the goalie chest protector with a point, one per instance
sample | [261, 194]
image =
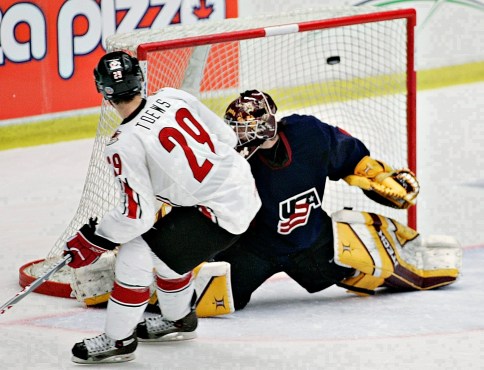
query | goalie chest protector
[291, 217]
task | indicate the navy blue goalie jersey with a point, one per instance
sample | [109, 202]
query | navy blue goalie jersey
[291, 218]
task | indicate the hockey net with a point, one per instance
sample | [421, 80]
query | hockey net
[351, 67]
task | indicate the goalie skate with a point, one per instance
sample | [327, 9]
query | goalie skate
[157, 329]
[102, 349]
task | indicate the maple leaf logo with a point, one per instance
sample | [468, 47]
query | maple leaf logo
[203, 11]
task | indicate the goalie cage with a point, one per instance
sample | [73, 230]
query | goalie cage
[352, 67]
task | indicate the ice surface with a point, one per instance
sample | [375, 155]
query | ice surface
[283, 327]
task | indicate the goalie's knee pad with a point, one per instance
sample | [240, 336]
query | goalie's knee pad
[385, 252]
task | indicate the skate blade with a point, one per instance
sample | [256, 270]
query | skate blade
[172, 337]
[111, 359]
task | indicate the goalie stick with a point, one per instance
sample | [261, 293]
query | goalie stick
[31, 287]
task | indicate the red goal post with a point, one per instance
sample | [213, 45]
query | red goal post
[351, 67]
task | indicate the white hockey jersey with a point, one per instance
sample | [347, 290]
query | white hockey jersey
[173, 149]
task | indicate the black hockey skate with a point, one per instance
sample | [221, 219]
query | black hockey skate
[157, 329]
[102, 349]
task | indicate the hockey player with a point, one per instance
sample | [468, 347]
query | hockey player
[291, 160]
[168, 149]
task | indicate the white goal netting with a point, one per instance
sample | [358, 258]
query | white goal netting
[351, 67]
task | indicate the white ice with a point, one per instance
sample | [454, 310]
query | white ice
[283, 327]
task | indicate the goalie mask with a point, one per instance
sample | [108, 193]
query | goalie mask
[118, 75]
[252, 117]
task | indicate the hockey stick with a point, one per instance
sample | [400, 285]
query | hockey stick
[29, 288]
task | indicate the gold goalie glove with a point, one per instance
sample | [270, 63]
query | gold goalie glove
[382, 184]
[386, 253]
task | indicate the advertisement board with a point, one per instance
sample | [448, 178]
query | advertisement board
[48, 48]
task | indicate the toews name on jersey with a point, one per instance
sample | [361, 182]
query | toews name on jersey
[164, 148]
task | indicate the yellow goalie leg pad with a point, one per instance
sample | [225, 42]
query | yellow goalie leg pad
[214, 289]
[385, 252]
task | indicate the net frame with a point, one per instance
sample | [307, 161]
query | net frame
[95, 199]
[143, 50]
